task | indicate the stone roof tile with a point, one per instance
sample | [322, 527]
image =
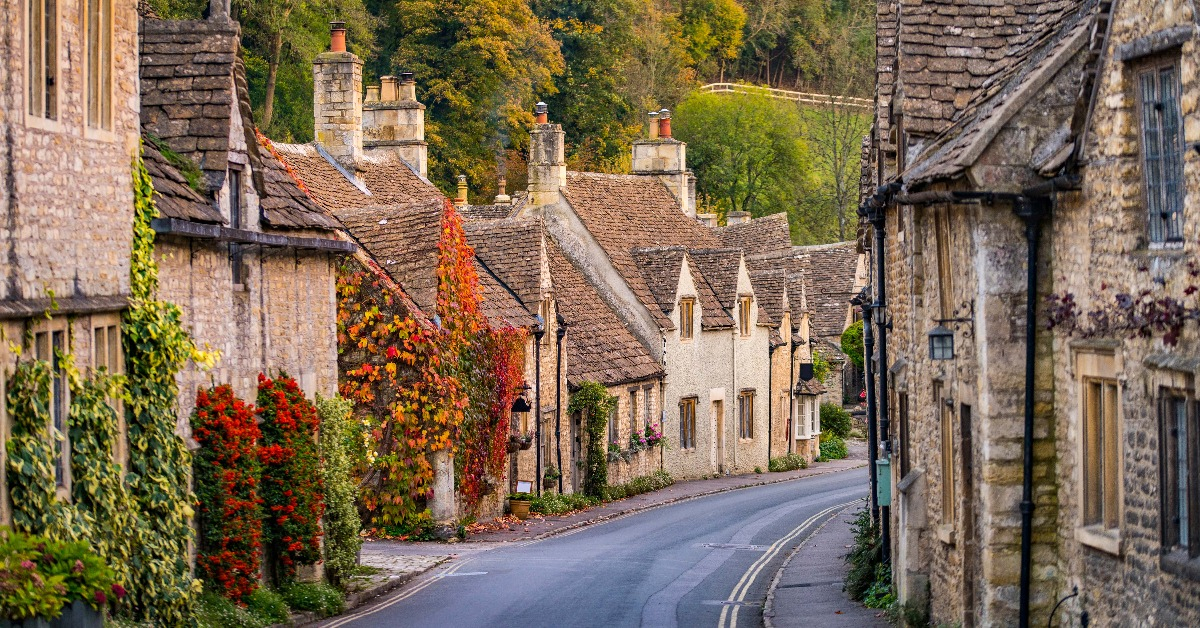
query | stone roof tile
[760, 235]
[513, 250]
[403, 239]
[172, 194]
[498, 303]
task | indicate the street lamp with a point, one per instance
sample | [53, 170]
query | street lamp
[941, 343]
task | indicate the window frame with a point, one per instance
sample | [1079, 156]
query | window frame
[1157, 64]
[103, 124]
[633, 411]
[61, 402]
[687, 423]
[946, 443]
[746, 415]
[1099, 365]
[32, 119]
[687, 313]
[745, 310]
[114, 354]
[647, 403]
[614, 425]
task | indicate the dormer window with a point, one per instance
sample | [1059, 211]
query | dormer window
[744, 309]
[686, 308]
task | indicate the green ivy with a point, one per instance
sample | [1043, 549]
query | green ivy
[820, 367]
[852, 343]
[593, 400]
[339, 439]
[162, 590]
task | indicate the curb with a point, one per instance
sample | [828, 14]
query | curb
[360, 598]
[769, 605]
[676, 500]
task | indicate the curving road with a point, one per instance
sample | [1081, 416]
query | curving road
[703, 562]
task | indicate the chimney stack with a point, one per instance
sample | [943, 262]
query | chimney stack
[461, 199]
[337, 99]
[708, 220]
[218, 10]
[396, 122]
[737, 218]
[502, 197]
[665, 157]
[547, 161]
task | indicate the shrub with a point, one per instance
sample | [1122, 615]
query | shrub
[268, 607]
[317, 597]
[833, 449]
[214, 611]
[550, 504]
[291, 485]
[835, 419]
[226, 471]
[852, 343]
[641, 484]
[594, 402]
[39, 575]
[790, 462]
[865, 556]
[339, 441]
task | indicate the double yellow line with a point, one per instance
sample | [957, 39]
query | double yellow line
[403, 596]
[743, 585]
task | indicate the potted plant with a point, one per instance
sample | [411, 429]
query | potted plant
[46, 583]
[550, 477]
[652, 435]
[518, 503]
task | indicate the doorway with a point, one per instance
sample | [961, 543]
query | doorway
[718, 408]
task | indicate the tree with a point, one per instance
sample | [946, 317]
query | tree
[835, 134]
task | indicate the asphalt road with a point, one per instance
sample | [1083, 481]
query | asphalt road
[702, 562]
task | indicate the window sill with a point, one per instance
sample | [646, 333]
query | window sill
[99, 135]
[1167, 250]
[1179, 564]
[43, 124]
[946, 534]
[1097, 537]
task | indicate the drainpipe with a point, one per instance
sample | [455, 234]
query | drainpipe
[868, 367]
[537, 396]
[791, 428]
[770, 400]
[559, 334]
[878, 221]
[1031, 210]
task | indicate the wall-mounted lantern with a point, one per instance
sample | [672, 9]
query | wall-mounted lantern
[941, 343]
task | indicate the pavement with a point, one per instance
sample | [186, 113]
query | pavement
[705, 557]
[807, 590]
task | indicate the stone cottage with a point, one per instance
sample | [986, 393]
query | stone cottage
[243, 251]
[65, 118]
[1037, 247]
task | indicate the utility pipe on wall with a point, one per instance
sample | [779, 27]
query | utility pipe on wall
[878, 222]
[537, 396]
[559, 334]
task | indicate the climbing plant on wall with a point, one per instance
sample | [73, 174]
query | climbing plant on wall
[493, 376]
[339, 442]
[226, 474]
[162, 590]
[594, 402]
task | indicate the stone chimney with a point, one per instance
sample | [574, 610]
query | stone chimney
[502, 197]
[395, 122]
[737, 218]
[708, 220]
[337, 99]
[547, 161]
[664, 156]
[460, 200]
[218, 10]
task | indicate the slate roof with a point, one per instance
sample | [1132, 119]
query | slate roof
[769, 287]
[403, 239]
[498, 303]
[285, 205]
[381, 179]
[997, 101]
[660, 268]
[624, 212]
[512, 249]
[720, 267]
[768, 234]
[948, 50]
[829, 273]
[187, 88]
[172, 195]
[599, 346]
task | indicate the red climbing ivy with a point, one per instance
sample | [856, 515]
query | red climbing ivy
[1142, 314]
[226, 470]
[291, 485]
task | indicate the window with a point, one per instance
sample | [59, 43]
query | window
[814, 417]
[235, 222]
[41, 39]
[1101, 461]
[687, 423]
[633, 412]
[746, 414]
[1180, 425]
[801, 419]
[614, 435]
[646, 405]
[686, 306]
[1162, 151]
[902, 411]
[106, 354]
[949, 504]
[99, 63]
[744, 314]
[47, 346]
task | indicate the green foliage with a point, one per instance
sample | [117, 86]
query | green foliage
[833, 447]
[641, 484]
[553, 504]
[263, 608]
[267, 605]
[835, 420]
[852, 343]
[339, 441]
[596, 405]
[865, 556]
[317, 597]
[39, 575]
[162, 589]
[30, 463]
[185, 166]
[790, 462]
[821, 368]
[880, 593]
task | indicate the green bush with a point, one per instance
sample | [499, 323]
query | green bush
[852, 343]
[267, 606]
[641, 484]
[833, 448]
[835, 419]
[790, 462]
[214, 611]
[551, 504]
[317, 597]
[339, 440]
[865, 556]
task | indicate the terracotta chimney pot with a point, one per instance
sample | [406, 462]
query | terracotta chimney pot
[653, 118]
[461, 199]
[664, 124]
[542, 113]
[337, 37]
[372, 94]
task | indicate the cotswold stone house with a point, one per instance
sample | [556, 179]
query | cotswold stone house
[66, 117]
[243, 251]
[1040, 165]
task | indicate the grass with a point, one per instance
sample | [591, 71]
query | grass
[185, 166]
[318, 597]
[637, 486]
[790, 462]
[265, 607]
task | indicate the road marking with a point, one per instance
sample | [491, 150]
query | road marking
[733, 546]
[399, 598]
[747, 580]
[461, 573]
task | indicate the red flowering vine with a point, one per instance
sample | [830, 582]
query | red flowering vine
[229, 512]
[291, 485]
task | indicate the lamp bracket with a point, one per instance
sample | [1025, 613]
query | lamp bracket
[963, 314]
